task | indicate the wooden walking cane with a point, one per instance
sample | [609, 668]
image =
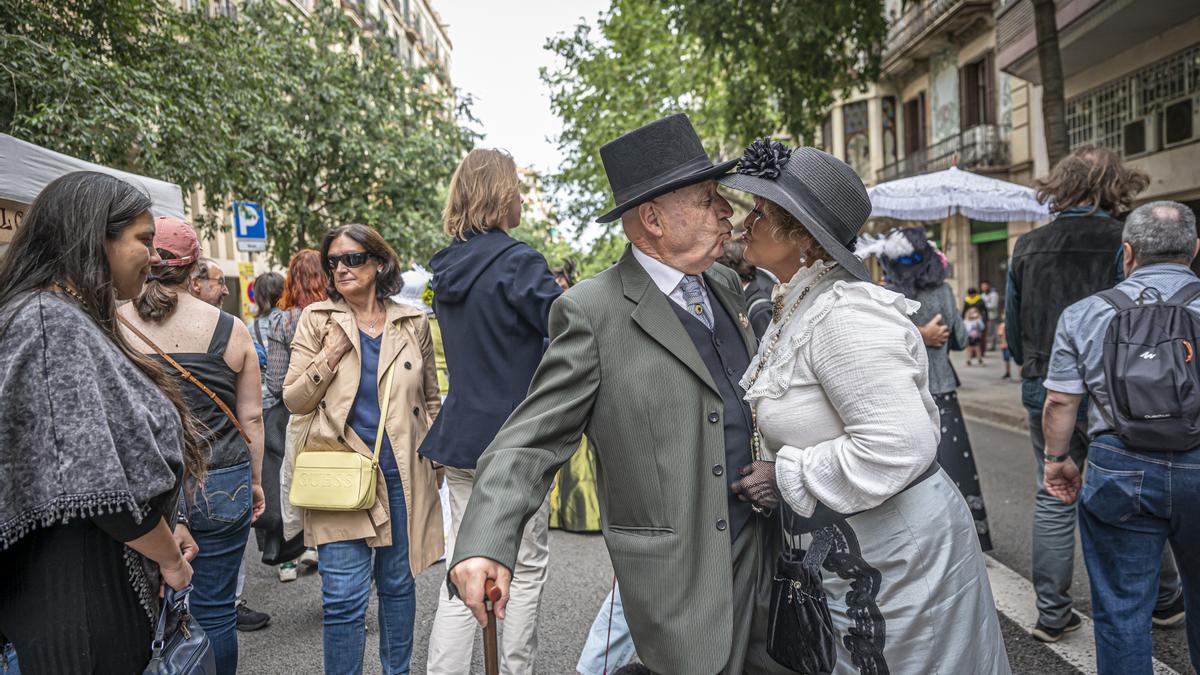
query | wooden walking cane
[491, 654]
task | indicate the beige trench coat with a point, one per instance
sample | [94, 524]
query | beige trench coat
[311, 387]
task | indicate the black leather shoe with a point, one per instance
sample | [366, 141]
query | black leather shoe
[249, 620]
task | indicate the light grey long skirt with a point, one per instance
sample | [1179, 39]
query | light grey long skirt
[908, 590]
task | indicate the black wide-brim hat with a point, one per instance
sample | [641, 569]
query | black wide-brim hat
[653, 160]
[818, 189]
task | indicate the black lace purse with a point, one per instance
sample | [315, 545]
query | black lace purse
[799, 628]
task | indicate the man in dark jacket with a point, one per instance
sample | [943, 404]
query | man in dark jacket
[492, 297]
[1052, 268]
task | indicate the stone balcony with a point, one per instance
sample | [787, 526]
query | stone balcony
[925, 26]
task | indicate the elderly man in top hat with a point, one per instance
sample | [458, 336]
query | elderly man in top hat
[645, 359]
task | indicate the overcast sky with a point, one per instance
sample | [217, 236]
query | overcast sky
[496, 57]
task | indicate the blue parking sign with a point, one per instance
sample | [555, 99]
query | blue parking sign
[249, 226]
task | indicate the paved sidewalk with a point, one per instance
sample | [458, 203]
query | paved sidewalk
[984, 396]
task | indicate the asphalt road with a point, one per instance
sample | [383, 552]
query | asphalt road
[581, 574]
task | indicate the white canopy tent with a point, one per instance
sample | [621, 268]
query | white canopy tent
[938, 195]
[26, 168]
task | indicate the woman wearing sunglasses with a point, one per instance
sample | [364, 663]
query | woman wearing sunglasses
[353, 356]
[916, 269]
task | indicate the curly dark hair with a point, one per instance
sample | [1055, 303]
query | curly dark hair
[1094, 178]
[388, 282]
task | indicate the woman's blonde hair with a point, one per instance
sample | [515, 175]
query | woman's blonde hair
[481, 192]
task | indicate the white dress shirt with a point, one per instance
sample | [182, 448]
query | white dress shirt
[667, 279]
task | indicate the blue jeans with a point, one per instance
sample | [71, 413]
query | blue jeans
[1054, 521]
[220, 523]
[346, 586]
[1131, 504]
[609, 644]
[8, 664]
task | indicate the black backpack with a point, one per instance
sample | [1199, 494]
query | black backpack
[1151, 370]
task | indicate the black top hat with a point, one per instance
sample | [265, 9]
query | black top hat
[818, 189]
[653, 160]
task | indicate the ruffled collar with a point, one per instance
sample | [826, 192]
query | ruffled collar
[835, 288]
[785, 294]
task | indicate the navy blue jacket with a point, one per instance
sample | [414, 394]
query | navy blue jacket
[492, 297]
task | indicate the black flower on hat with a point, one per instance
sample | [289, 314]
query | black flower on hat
[764, 158]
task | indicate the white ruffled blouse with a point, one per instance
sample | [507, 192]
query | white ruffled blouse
[843, 401]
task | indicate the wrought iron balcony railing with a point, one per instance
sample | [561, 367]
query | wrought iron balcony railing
[983, 146]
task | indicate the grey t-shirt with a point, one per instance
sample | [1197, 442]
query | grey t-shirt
[1077, 360]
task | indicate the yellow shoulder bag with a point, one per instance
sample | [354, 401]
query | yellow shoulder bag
[340, 480]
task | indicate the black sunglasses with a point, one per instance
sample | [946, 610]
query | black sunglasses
[357, 259]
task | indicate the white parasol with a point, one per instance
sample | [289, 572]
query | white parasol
[934, 196]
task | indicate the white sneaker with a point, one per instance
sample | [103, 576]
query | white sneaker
[309, 557]
[288, 572]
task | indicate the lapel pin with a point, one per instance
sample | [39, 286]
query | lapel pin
[742, 319]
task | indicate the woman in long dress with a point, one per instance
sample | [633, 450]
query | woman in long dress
[839, 392]
[917, 270]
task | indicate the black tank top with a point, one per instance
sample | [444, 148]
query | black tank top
[225, 445]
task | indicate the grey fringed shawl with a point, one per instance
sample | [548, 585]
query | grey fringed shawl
[83, 431]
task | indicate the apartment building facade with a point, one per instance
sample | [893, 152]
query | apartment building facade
[961, 86]
[941, 101]
[1132, 82]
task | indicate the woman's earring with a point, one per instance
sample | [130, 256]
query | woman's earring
[378, 269]
[803, 261]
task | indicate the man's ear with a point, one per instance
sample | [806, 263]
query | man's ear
[649, 215]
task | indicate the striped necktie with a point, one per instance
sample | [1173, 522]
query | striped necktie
[693, 297]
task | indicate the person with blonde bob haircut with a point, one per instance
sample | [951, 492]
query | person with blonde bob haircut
[492, 297]
[485, 195]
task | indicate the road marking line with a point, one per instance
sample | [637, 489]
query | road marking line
[1014, 598]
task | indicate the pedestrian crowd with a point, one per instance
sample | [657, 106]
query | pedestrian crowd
[772, 447]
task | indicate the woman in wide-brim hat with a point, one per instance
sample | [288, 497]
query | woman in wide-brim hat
[839, 391]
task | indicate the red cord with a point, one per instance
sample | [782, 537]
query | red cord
[608, 641]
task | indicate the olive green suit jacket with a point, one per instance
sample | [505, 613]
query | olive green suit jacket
[621, 369]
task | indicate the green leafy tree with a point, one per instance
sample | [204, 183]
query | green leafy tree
[741, 69]
[310, 115]
[347, 135]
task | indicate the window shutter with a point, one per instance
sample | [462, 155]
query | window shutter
[964, 97]
[991, 114]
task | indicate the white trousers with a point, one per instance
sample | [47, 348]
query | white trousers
[454, 628]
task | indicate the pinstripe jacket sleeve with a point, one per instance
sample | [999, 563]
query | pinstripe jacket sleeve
[515, 472]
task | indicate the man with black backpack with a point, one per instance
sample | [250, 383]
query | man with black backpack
[1133, 351]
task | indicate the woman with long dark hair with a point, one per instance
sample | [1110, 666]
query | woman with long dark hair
[224, 393]
[95, 438]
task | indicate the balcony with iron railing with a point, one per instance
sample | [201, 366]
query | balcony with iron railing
[980, 147]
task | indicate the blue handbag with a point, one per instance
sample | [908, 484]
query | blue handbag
[180, 646]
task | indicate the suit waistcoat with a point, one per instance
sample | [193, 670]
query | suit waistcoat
[724, 353]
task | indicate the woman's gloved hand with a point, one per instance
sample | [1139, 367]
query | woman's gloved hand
[758, 485]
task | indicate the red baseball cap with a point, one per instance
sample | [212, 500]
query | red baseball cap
[178, 237]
